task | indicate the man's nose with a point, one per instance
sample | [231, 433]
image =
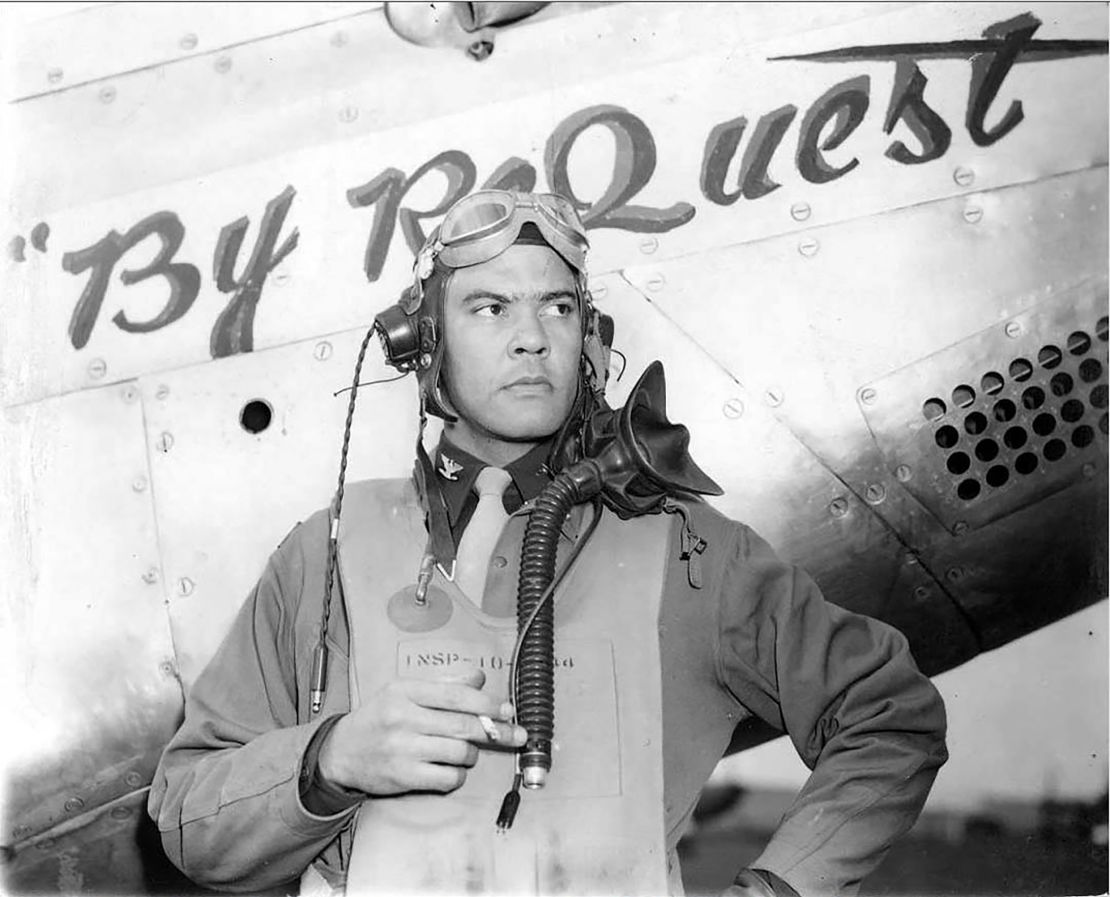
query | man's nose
[529, 336]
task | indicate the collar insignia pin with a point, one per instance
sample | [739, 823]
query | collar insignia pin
[450, 469]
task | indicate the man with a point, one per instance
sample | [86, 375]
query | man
[669, 629]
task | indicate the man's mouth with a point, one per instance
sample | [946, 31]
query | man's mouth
[529, 384]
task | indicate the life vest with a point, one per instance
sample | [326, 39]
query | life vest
[597, 827]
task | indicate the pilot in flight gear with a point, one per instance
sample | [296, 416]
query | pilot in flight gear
[542, 514]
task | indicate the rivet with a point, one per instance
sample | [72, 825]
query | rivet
[500, 562]
[800, 211]
[139, 484]
[322, 352]
[133, 779]
[129, 393]
[656, 282]
[54, 75]
[188, 42]
[903, 473]
[649, 245]
[921, 593]
[954, 574]
[165, 668]
[1013, 330]
[222, 64]
[733, 409]
[107, 94]
[963, 176]
[97, 368]
[185, 587]
[348, 114]
[838, 507]
[162, 393]
[281, 278]
[973, 214]
[426, 360]
[868, 396]
[480, 49]
[599, 291]
[808, 247]
[875, 493]
[164, 443]
[74, 804]
[339, 39]
[960, 528]
[774, 396]
[1088, 470]
[120, 812]
[151, 576]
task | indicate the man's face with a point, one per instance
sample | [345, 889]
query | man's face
[513, 337]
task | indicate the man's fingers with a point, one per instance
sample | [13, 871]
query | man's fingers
[458, 696]
[468, 727]
[450, 751]
[467, 675]
[434, 777]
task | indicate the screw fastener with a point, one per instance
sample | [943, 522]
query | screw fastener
[74, 804]
[129, 393]
[868, 396]
[55, 75]
[921, 593]
[164, 443]
[151, 576]
[955, 574]
[107, 94]
[774, 396]
[188, 42]
[185, 587]
[973, 214]
[322, 352]
[1088, 470]
[903, 472]
[139, 484]
[223, 65]
[97, 368]
[133, 779]
[162, 393]
[875, 493]
[838, 507]
[348, 114]
[648, 246]
[1013, 330]
[809, 247]
[800, 211]
[960, 528]
[963, 176]
[733, 409]
[656, 282]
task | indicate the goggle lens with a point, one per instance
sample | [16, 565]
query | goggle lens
[477, 214]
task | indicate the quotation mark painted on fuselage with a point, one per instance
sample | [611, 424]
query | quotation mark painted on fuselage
[17, 247]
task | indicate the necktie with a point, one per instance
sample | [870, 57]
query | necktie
[482, 533]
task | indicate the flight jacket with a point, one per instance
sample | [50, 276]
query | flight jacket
[740, 631]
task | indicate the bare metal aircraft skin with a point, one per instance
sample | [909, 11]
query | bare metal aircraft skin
[868, 243]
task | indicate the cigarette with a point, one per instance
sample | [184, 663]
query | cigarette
[489, 728]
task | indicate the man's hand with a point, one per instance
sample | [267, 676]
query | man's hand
[416, 735]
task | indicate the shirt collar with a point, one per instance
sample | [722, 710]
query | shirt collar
[456, 471]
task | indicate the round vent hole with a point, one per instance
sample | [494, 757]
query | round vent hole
[1098, 396]
[968, 489]
[986, 450]
[963, 395]
[1020, 370]
[975, 423]
[1102, 328]
[1043, 424]
[1079, 343]
[1026, 463]
[1032, 398]
[1072, 410]
[947, 436]
[256, 416]
[991, 383]
[1082, 436]
[998, 475]
[934, 409]
[1054, 449]
[1061, 384]
[1049, 357]
[1090, 370]
[958, 463]
[1004, 410]
[1102, 422]
[1015, 437]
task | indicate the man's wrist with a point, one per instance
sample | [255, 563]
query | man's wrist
[319, 795]
[759, 883]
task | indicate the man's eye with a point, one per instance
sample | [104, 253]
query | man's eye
[492, 310]
[559, 309]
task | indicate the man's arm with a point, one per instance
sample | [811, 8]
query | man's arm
[226, 794]
[859, 712]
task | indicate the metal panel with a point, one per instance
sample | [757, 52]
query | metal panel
[679, 104]
[775, 484]
[59, 53]
[1002, 419]
[93, 695]
[227, 496]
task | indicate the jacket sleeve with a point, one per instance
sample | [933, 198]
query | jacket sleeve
[226, 793]
[863, 718]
